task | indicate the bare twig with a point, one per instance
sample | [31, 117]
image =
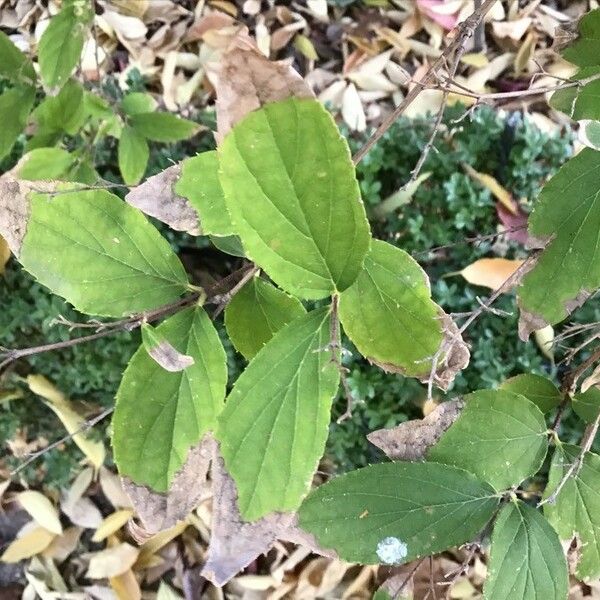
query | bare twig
[87, 425]
[225, 299]
[465, 31]
[408, 577]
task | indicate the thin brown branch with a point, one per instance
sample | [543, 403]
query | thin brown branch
[225, 299]
[465, 31]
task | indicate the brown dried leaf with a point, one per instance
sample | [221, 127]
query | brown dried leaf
[159, 511]
[490, 272]
[169, 358]
[411, 440]
[112, 561]
[245, 80]
[591, 380]
[236, 543]
[156, 197]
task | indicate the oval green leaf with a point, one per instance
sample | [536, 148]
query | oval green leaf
[163, 127]
[587, 404]
[45, 163]
[276, 419]
[256, 313]
[99, 253]
[199, 183]
[15, 105]
[537, 389]
[160, 415]
[499, 436]
[527, 561]
[14, 65]
[292, 194]
[133, 155]
[138, 102]
[395, 512]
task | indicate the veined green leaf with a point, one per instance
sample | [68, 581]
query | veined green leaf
[64, 112]
[499, 436]
[539, 390]
[61, 45]
[388, 312]
[580, 102]
[230, 244]
[292, 194]
[395, 512]
[138, 102]
[13, 63]
[583, 52]
[45, 163]
[589, 133]
[99, 253]
[163, 127]
[162, 351]
[160, 415]
[133, 155]
[256, 313]
[587, 404]
[566, 223]
[199, 183]
[15, 105]
[276, 418]
[527, 560]
[576, 512]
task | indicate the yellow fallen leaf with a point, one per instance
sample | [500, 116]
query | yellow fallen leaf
[157, 541]
[525, 53]
[126, 586]
[490, 272]
[4, 254]
[305, 46]
[62, 546]
[71, 419]
[112, 562]
[544, 338]
[41, 510]
[29, 545]
[501, 194]
[112, 524]
[475, 59]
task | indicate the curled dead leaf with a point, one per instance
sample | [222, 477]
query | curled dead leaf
[411, 440]
[159, 511]
[245, 80]
[156, 197]
[490, 272]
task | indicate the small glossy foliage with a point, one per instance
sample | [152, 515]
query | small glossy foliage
[388, 312]
[45, 163]
[160, 415]
[133, 155]
[100, 254]
[396, 512]
[162, 127]
[199, 183]
[527, 561]
[587, 405]
[276, 418]
[138, 102]
[537, 389]
[580, 102]
[292, 194]
[576, 512]
[15, 105]
[61, 44]
[569, 267]
[64, 112]
[499, 436]
[583, 52]
[256, 313]
[14, 65]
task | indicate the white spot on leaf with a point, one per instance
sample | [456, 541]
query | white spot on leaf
[391, 551]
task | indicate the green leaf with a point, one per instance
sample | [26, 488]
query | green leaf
[276, 418]
[589, 133]
[15, 105]
[159, 415]
[45, 163]
[587, 405]
[388, 312]
[163, 127]
[60, 46]
[566, 223]
[292, 194]
[133, 155]
[138, 102]
[100, 254]
[580, 102]
[583, 52]
[64, 112]
[395, 512]
[499, 436]
[256, 313]
[14, 65]
[230, 244]
[199, 183]
[527, 561]
[162, 351]
[537, 389]
[576, 512]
